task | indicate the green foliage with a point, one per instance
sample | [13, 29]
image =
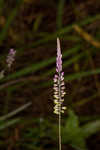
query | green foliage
[72, 132]
[45, 130]
[37, 23]
[91, 128]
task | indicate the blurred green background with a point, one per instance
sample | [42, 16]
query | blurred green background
[31, 27]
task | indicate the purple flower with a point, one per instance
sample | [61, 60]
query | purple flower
[59, 57]
[59, 85]
[11, 57]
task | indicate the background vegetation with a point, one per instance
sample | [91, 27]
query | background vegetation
[26, 94]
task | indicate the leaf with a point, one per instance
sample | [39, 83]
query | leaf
[91, 128]
[37, 23]
[72, 133]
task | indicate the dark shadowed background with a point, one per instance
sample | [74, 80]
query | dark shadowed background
[31, 28]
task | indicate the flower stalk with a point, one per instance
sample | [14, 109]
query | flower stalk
[59, 87]
[10, 58]
[9, 61]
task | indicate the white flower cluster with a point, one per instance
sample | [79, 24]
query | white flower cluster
[59, 93]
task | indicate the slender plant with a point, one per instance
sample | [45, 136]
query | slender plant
[59, 87]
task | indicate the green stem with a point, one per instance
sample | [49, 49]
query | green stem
[59, 130]
[59, 83]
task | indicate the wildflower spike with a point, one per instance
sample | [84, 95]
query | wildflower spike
[59, 86]
[11, 57]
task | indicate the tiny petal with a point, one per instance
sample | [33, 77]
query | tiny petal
[55, 93]
[56, 112]
[57, 70]
[62, 111]
[56, 89]
[62, 74]
[64, 108]
[63, 87]
[62, 78]
[56, 76]
[62, 100]
[55, 85]
[56, 101]
[55, 80]
[56, 96]
[62, 83]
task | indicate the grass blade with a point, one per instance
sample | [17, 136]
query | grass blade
[60, 13]
[15, 111]
[8, 123]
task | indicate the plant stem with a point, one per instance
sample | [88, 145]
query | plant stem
[59, 131]
[59, 83]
